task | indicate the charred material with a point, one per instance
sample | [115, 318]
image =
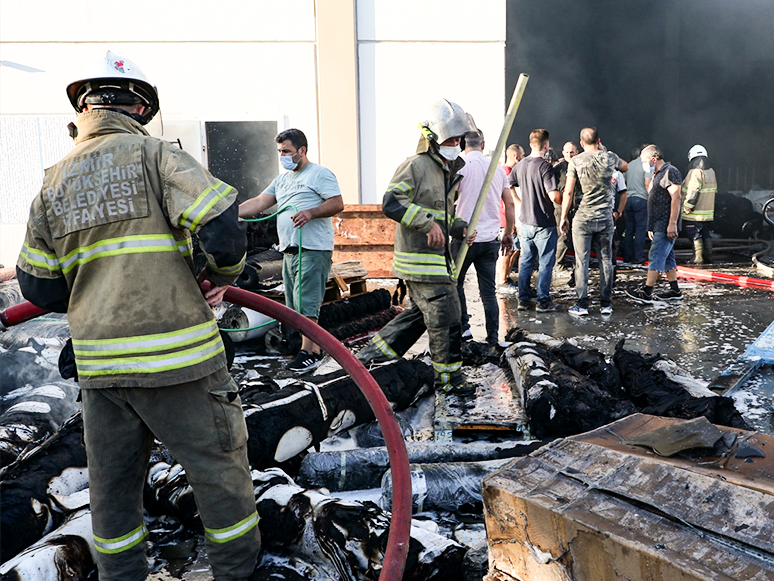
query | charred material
[10, 294]
[344, 319]
[654, 393]
[66, 553]
[347, 538]
[568, 390]
[362, 469]
[357, 315]
[476, 353]
[348, 309]
[284, 423]
[34, 416]
[451, 486]
[167, 492]
[262, 271]
[25, 505]
[35, 363]
[559, 400]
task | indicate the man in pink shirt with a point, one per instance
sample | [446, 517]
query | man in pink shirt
[514, 153]
[483, 252]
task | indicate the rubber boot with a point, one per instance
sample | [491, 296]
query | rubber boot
[707, 250]
[698, 252]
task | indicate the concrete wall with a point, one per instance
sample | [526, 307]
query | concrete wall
[355, 75]
[413, 53]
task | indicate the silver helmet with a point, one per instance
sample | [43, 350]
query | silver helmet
[446, 120]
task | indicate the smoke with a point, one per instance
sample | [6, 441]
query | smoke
[674, 73]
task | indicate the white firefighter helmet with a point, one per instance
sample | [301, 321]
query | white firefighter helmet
[697, 151]
[446, 120]
[113, 80]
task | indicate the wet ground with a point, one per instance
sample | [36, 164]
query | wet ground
[703, 334]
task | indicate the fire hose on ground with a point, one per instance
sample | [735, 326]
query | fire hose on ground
[400, 523]
[713, 276]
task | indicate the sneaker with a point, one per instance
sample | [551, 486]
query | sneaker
[525, 305]
[467, 335]
[578, 311]
[606, 310]
[641, 296]
[305, 361]
[670, 295]
[548, 307]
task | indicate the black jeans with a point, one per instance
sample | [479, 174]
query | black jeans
[482, 255]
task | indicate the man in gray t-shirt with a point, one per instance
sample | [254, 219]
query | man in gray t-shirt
[636, 214]
[311, 195]
[593, 223]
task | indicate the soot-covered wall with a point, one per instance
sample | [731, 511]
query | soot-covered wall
[672, 72]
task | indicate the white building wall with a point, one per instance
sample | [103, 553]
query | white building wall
[412, 53]
[232, 60]
[239, 60]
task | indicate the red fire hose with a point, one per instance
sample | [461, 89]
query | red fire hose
[743, 281]
[400, 523]
[712, 276]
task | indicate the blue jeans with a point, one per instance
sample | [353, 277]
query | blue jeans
[541, 242]
[482, 255]
[636, 216]
[585, 235]
[662, 253]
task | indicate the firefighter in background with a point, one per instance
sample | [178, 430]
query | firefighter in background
[699, 189]
[421, 199]
[109, 242]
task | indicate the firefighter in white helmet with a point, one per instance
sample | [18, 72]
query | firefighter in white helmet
[109, 242]
[698, 205]
[421, 199]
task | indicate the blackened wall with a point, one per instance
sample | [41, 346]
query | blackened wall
[670, 72]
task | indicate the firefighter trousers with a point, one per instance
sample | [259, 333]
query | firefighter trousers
[435, 307]
[202, 424]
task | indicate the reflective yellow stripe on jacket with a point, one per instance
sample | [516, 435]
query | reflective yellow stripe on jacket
[230, 270]
[40, 259]
[117, 246]
[206, 200]
[148, 353]
[406, 263]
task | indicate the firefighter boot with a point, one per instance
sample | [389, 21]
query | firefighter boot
[698, 251]
[707, 250]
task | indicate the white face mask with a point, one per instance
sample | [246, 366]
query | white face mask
[648, 168]
[287, 162]
[449, 152]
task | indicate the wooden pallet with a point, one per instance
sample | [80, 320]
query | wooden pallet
[348, 277]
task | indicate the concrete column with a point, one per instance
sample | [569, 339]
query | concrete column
[337, 93]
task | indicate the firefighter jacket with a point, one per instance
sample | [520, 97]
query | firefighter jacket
[699, 189]
[109, 242]
[422, 192]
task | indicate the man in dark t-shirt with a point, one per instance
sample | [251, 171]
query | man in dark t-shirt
[564, 243]
[535, 179]
[663, 225]
[593, 223]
